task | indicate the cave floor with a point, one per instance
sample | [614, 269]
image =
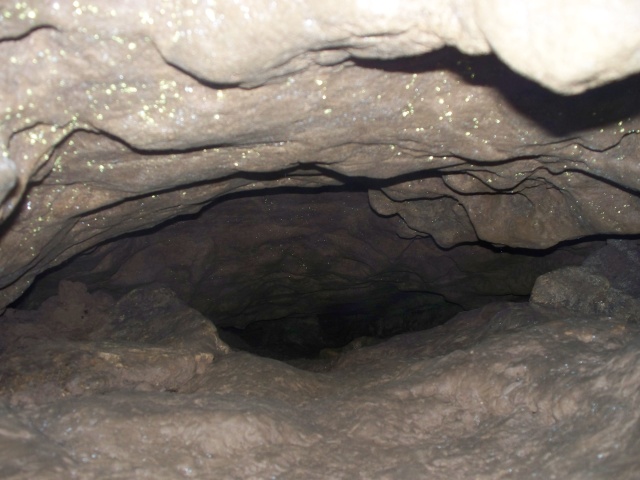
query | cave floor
[506, 391]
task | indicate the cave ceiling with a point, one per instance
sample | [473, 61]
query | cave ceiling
[425, 212]
[119, 116]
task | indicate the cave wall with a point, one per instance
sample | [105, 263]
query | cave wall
[142, 145]
[302, 271]
[142, 386]
[119, 117]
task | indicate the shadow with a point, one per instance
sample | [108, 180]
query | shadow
[560, 115]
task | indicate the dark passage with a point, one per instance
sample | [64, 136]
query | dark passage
[297, 274]
[337, 326]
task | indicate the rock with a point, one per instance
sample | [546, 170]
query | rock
[154, 373]
[27, 452]
[291, 274]
[438, 183]
[573, 288]
[7, 177]
[533, 38]
[86, 344]
[465, 397]
[114, 122]
[607, 283]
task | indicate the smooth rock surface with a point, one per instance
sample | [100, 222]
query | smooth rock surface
[569, 46]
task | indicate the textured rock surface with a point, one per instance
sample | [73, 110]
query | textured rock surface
[608, 282]
[119, 116]
[510, 390]
[322, 265]
[82, 344]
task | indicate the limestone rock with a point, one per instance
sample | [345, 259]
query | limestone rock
[465, 397]
[606, 284]
[569, 46]
[301, 272]
[85, 344]
[120, 116]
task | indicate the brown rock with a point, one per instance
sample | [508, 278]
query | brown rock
[120, 116]
[546, 397]
[87, 344]
[269, 265]
[105, 137]
[607, 284]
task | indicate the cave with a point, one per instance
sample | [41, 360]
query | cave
[261, 240]
[300, 272]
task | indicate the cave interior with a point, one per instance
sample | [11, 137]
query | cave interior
[332, 264]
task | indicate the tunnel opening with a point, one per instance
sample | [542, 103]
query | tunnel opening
[451, 290]
[297, 273]
[342, 325]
